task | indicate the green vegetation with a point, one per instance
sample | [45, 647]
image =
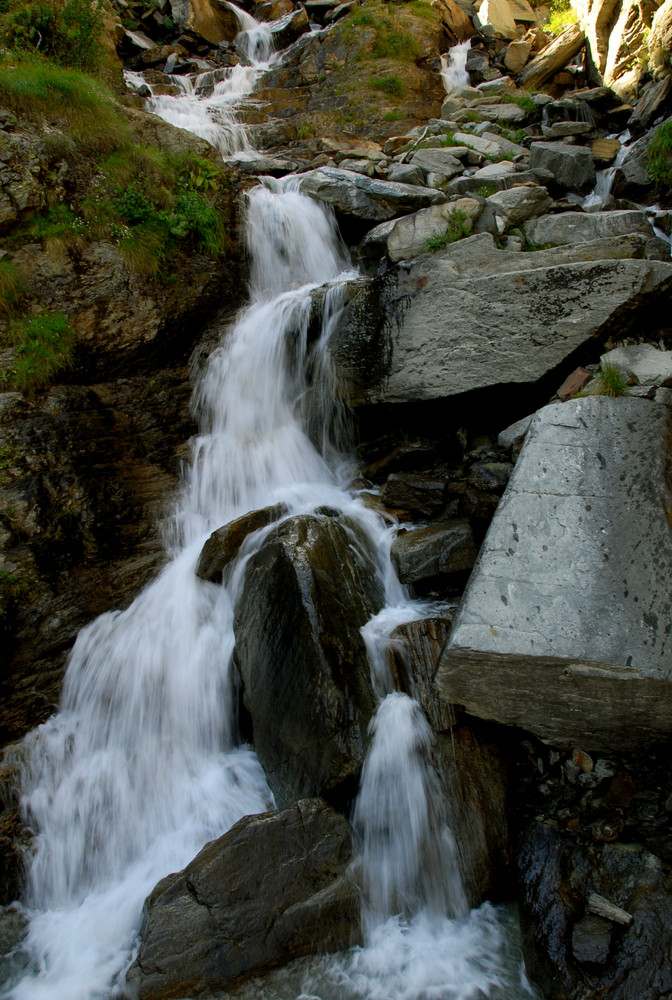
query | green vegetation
[458, 226]
[611, 381]
[11, 288]
[485, 189]
[306, 131]
[391, 84]
[473, 116]
[43, 348]
[659, 156]
[523, 101]
[392, 116]
[67, 98]
[560, 15]
[392, 39]
[65, 31]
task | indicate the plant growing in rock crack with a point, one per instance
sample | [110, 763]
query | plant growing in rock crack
[458, 225]
[611, 381]
[44, 346]
[659, 156]
[524, 101]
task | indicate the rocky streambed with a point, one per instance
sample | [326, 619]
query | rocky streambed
[508, 358]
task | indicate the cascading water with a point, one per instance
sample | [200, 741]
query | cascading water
[140, 767]
[454, 67]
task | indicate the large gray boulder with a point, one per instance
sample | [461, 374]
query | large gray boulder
[275, 887]
[366, 197]
[472, 316]
[564, 627]
[580, 227]
[306, 678]
[517, 204]
[408, 236]
[572, 166]
[437, 161]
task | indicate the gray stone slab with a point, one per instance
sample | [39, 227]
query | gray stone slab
[579, 227]
[366, 197]
[565, 626]
[650, 366]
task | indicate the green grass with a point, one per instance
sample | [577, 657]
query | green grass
[458, 226]
[393, 40]
[659, 156]
[306, 131]
[524, 101]
[43, 348]
[611, 381]
[485, 189]
[11, 287]
[391, 84]
[392, 116]
[68, 98]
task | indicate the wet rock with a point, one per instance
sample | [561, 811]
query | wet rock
[214, 20]
[273, 888]
[289, 28]
[579, 227]
[415, 648]
[573, 650]
[365, 197]
[513, 318]
[306, 680]
[13, 931]
[558, 877]
[632, 178]
[447, 547]
[572, 166]
[415, 493]
[591, 940]
[224, 544]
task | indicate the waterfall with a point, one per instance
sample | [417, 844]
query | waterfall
[454, 67]
[597, 200]
[142, 765]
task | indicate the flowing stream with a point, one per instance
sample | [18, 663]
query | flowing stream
[142, 764]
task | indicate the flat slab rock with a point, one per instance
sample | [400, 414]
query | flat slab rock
[565, 625]
[472, 316]
[367, 197]
[275, 887]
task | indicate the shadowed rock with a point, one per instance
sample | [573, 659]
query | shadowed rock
[564, 628]
[224, 544]
[306, 680]
[274, 887]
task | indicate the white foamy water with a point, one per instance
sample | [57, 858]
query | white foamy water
[141, 766]
[454, 67]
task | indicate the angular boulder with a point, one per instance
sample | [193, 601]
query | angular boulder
[572, 166]
[472, 316]
[552, 58]
[224, 544]
[408, 236]
[564, 627]
[517, 204]
[276, 886]
[305, 674]
[580, 227]
[366, 197]
[446, 547]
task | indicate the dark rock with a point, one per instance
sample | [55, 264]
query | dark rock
[13, 930]
[273, 888]
[415, 493]
[416, 648]
[557, 878]
[223, 544]
[490, 476]
[447, 547]
[306, 678]
[289, 28]
[591, 939]
[572, 166]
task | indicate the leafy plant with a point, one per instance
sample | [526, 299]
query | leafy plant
[523, 101]
[391, 84]
[67, 31]
[43, 348]
[659, 156]
[458, 225]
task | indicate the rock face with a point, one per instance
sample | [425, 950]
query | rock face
[442, 548]
[570, 952]
[226, 917]
[580, 227]
[305, 674]
[562, 630]
[660, 40]
[472, 316]
[366, 197]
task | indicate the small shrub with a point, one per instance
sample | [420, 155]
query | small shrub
[458, 226]
[560, 15]
[305, 131]
[59, 229]
[388, 84]
[195, 218]
[43, 348]
[659, 156]
[392, 116]
[611, 381]
[67, 31]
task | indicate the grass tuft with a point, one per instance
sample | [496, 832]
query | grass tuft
[659, 156]
[458, 225]
[43, 348]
